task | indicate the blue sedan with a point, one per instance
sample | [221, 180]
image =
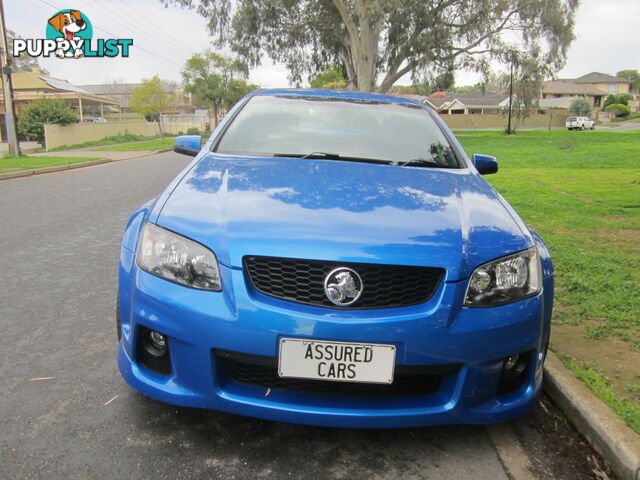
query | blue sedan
[334, 258]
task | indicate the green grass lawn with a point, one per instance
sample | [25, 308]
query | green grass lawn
[581, 192]
[157, 144]
[13, 164]
[122, 138]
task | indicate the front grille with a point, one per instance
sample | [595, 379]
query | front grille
[409, 380]
[302, 281]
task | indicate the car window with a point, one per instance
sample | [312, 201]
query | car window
[297, 125]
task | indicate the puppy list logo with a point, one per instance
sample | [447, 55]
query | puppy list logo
[70, 35]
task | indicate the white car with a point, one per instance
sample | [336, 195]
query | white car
[580, 123]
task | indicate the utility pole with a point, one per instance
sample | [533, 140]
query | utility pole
[7, 87]
[510, 94]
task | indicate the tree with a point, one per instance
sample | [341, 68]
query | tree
[215, 81]
[622, 98]
[415, 89]
[24, 62]
[580, 107]
[525, 81]
[151, 100]
[38, 113]
[633, 75]
[330, 78]
[379, 41]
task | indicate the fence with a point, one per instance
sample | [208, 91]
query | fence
[472, 121]
[57, 135]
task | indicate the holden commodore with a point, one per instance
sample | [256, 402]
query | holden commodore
[334, 258]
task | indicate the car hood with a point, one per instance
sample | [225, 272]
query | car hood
[342, 211]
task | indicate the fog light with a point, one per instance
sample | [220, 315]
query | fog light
[152, 350]
[159, 340]
[155, 343]
[510, 362]
[514, 374]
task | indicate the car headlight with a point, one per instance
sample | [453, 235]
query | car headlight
[178, 259]
[505, 280]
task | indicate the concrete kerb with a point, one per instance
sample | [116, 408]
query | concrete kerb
[71, 166]
[603, 429]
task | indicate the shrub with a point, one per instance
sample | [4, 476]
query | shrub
[580, 107]
[193, 131]
[618, 109]
[622, 99]
[624, 118]
[38, 113]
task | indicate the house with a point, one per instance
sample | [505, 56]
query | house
[594, 86]
[32, 85]
[606, 83]
[28, 86]
[121, 92]
[570, 89]
[472, 103]
[562, 103]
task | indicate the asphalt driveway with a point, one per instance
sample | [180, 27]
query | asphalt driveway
[65, 413]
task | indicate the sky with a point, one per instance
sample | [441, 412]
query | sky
[606, 30]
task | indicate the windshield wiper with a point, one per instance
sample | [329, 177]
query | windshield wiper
[328, 155]
[332, 156]
[427, 162]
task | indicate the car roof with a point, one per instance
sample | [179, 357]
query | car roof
[346, 94]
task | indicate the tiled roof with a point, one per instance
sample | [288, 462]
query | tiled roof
[111, 88]
[570, 88]
[562, 102]
[118, 88]
[597, 77]
[472, 100]
[436, 102]
[480, 100]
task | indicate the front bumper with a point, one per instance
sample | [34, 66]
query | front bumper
[242, 320]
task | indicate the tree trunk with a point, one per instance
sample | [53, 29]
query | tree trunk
[360, 51]
[348, 65]
[215, 114]
[367, 50]
[160, 126]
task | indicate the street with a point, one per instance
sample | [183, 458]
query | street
[66, 413]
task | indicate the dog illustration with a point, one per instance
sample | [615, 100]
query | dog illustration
[68, 24]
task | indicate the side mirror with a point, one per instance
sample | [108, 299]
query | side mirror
[485, 164]
[187, 144]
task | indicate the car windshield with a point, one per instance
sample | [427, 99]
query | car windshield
[338, 129]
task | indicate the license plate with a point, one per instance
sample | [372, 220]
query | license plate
[336, 361]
